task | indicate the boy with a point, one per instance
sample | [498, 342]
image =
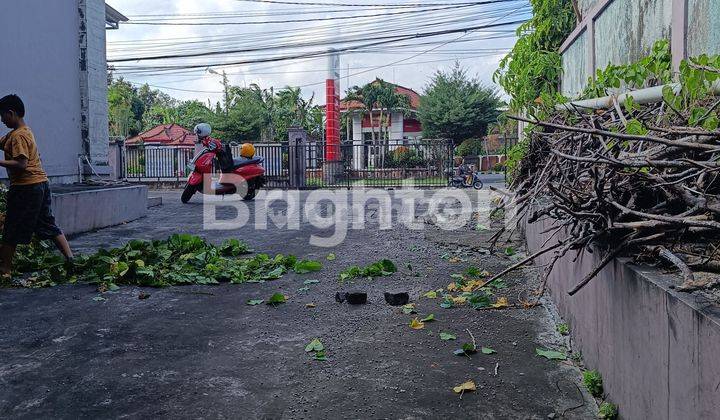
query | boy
[28, 199]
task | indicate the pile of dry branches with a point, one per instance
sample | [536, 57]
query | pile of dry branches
[655, 194]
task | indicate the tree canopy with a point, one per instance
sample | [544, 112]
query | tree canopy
[251, 114]
[457, 106]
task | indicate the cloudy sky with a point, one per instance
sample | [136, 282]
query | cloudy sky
[220, 26]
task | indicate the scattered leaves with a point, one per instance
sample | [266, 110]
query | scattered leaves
[428, 318]
[500, 303]
[431, 294]
[277, 299]
[447, 336]
[550, 354]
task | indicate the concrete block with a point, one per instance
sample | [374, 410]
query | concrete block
[90, 209]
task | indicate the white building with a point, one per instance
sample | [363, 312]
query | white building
[54, 59]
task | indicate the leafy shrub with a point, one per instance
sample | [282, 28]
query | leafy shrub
[608, 411]
[404, 157]
[593, 382]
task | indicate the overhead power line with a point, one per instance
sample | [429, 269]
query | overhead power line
[382, 40]
[299, 3]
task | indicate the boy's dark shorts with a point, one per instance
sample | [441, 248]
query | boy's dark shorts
[28, 213]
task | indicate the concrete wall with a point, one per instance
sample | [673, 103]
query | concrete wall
[624, 31]
[575, 74]
[44, 68]
[627, 30]
[704, 21]
[656, 348]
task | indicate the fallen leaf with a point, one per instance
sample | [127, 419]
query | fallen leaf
[416, 324]
[466, 350]
[99, 299]
[428, 318]
[303, 289]
[331, 257]
[550, 354]
[452, 287]
[310, 305]
[276, 299]
[447, 336]
[487, 350]
[465, 387]
[455, 260]
[253, 302]
[459, 300]
[408, 309]
[500, 303]
[510, 251]
[314, 345]
[320, 356]
[431, 294]
[311, 282]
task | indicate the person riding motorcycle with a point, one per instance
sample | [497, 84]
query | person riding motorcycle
[466, 171]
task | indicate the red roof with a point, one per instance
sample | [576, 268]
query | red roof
[411, 94]
[165, 135]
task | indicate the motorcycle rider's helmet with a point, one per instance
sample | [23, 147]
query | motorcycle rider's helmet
[247, 150]
[203, 130]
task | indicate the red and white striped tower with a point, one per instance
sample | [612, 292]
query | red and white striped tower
[332, 108]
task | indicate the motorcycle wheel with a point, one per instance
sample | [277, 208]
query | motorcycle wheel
[251, 193]
[478, 185]
[187, 193]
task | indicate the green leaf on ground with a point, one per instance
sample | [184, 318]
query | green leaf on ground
[331, 257]
[550, 354]
[510, 251]
[487, 350]
[447, 336]
[303, 289]
[431, 294]
[308, 282]
[466, 349]
[320, 356]
[315, 345]
[447, 303]
[253, 302]
[408, 309]
[479, 300]
[428, 318]
[481, 228]
[307, 266]
[277, 299]
[99, 299]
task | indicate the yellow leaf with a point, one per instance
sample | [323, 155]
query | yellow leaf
[465, 387]
[502, 302]
[416, 324]
[459, 300]
[471, 286]
[452, 287]
[310, 305]
[485, 274]
[455, 260]
[431, 294]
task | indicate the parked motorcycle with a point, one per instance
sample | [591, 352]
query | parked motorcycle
[462, 181]
[238, 175]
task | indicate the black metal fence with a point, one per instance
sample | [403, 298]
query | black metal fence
[380, 164]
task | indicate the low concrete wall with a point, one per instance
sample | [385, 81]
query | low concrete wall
[86, 210]
[656, 348]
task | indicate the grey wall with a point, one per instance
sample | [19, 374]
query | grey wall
[625, 31]
[575, 71]
[704, 25]
[656, 348]
[40, 63]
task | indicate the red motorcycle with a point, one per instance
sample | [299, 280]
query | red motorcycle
[237, 175]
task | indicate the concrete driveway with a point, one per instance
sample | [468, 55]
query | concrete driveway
[201, 352]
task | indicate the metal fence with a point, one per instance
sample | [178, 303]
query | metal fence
[378, 164]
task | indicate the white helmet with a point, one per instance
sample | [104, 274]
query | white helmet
[203, 130]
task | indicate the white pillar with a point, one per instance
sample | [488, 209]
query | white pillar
[358, 143]
[397, 120]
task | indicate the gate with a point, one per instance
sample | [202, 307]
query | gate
[426, 163]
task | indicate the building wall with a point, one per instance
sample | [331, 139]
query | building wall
[43, 69]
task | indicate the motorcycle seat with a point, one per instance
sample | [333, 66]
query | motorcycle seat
[241, 161]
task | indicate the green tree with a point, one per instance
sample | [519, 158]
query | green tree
[125, 109]
[534, 66]
[457, 107]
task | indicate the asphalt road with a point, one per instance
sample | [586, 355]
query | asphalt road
[201, 352]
